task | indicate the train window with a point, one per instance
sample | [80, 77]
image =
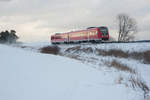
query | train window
[104, 30]
[57, 37]
[92, 33]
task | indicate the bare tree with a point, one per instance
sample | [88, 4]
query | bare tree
[127, 27]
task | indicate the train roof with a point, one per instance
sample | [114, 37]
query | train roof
[89, 28]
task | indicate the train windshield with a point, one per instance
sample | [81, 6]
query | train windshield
[104, 30]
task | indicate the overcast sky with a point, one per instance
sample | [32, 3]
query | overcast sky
[36, 20]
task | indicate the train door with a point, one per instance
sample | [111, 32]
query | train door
[88, 36]
[68, 40]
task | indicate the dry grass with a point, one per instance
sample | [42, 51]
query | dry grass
[50, 50]
[73, 49]
[76, 57]
[135, 82]
[138, 83]
[78, 49]
[142, 56]
[119, 66]
[145, 56]
[120, 80]
[24, 46]
[113, 52]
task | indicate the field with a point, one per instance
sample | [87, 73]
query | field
[40, 71]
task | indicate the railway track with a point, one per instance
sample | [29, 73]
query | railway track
[145, 41]
[106, 42]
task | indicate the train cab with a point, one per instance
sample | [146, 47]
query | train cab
[104, 33]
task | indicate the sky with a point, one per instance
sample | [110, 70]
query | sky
[37, 20]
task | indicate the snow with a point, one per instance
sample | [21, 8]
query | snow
[28, 75]
[142, 71]
[127, 47]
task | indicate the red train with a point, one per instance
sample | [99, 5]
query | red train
[92, 34]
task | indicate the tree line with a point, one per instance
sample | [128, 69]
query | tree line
[8, 36]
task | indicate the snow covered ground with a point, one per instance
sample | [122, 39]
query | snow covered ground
[29, 75]
[130, 47]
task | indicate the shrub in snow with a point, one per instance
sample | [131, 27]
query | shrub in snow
[50, 50]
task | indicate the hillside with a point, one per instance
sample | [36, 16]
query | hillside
[30, 75]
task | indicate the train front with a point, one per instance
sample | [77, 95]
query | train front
[104, 33]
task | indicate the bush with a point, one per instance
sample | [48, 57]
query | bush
[8, 37]
[50, 50]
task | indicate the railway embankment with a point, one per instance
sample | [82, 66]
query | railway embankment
[129, 60]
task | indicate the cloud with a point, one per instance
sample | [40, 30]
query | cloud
[44, 17]
[5, 0]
